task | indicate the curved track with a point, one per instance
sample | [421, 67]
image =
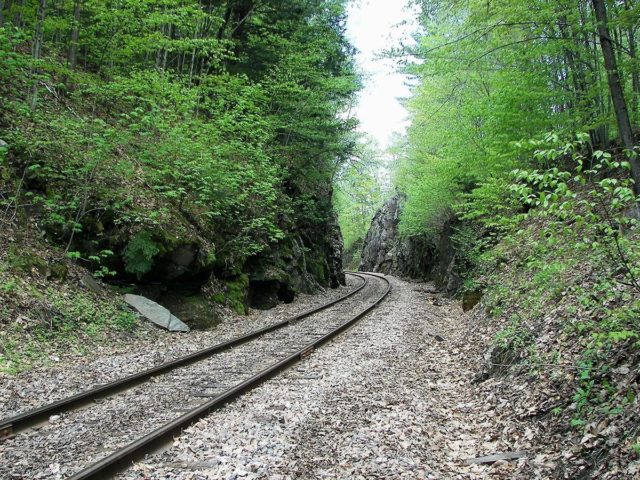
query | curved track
[143, 406]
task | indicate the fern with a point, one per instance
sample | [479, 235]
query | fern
[139, 254]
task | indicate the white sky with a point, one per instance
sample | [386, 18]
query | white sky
[372, 27]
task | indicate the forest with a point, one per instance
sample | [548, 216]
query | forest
[524, 136]
[521, 167]
[202, 152]
[160, 141]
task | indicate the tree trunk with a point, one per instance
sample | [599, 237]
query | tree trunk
[635, 70]
[37, 50]
[17, 16]
[165, 51]
[159, 52]
[75, 34]
[1, 12]
[615, 87]
[7, 9]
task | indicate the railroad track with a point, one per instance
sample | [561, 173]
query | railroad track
[112, 425]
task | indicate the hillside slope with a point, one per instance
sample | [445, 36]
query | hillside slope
[184, 151]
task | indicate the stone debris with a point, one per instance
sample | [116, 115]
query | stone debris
[156, 313]
[496, 458]
[385, 400]
[75, 371]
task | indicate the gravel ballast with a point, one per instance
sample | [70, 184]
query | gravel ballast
[390, 398]
[70, 373]
[396, 396]
[75, 439]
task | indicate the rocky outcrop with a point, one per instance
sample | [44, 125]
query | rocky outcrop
[419, 256]
[301, 263]
[379, 248]
[334, 253]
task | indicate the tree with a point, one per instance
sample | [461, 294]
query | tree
[225, 114]
[37, 50]
[616, 89]
[75, 32]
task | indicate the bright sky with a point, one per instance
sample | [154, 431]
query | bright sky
[372, 27]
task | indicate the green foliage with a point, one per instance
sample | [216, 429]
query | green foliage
[572, 262]
[82, 310]
[490, 75]
[590, 200]
[359, 192]
[177, 116]
[140, 252]
[53, 318]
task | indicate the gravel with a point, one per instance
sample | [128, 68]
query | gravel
[391, 398]
[71, 372]
[70, 441]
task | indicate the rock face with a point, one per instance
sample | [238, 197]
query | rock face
[301, 263]
[421, 257]
[156, 313]
[379, 248]
[334, 252]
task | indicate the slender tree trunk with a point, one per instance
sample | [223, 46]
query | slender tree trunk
[225, 21]
[75, 34]
[7, 8]
[37, 50]
[615, 86]
[577, 74]
[635, 81]
[635, 70]
[17, 16]
[1, 12]
[165, 52]
[192, 65]
[193, 61]
[159, 52]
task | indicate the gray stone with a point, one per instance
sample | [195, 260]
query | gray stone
[156, 313]
[419, 256]
[335, 253]
[386, 251]
[3, 144]
[88, 282]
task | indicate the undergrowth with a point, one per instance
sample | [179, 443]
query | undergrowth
[562, 278]
[41, 316]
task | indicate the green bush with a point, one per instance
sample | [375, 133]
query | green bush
[139, 253]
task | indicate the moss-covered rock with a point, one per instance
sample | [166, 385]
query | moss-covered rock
[234, 293]
[198, 311]
[27, 261]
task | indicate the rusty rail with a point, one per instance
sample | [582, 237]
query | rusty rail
[23, 421]
[120, 459]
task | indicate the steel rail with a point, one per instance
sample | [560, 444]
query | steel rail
[23, 421]
[120, 459]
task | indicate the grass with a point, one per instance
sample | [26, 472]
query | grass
[40, 317]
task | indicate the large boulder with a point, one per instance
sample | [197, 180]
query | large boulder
[156, 313]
